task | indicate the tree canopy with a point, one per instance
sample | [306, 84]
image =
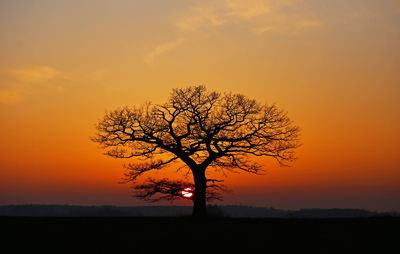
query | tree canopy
[201, 129]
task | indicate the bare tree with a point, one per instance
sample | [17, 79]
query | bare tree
[200, 130]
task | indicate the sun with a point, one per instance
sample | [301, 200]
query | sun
[187, 193]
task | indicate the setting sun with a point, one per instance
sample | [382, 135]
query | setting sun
[187, 193]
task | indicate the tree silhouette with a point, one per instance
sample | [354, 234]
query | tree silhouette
[200, 130]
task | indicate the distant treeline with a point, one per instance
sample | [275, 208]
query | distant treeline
[229, 211]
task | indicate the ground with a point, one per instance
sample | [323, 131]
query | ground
[187, 235]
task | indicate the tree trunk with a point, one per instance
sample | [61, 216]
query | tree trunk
[199, 198]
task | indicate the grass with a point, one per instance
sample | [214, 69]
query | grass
[187, 235]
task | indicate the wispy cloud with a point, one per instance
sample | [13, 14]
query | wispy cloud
[261, 30]
[199, 17]
[308, 23]
[162, 48]
[247, 9]
[19, 83]
[284, 26]
[36, 74]
[260, 16]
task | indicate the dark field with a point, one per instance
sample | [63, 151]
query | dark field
[186, 235]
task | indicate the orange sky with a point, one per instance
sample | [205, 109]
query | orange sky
[333, 65]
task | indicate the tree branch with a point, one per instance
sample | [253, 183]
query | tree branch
[133, 171]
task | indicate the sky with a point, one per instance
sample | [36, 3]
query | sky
[332, 65]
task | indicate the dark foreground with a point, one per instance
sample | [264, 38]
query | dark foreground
[186, 235]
